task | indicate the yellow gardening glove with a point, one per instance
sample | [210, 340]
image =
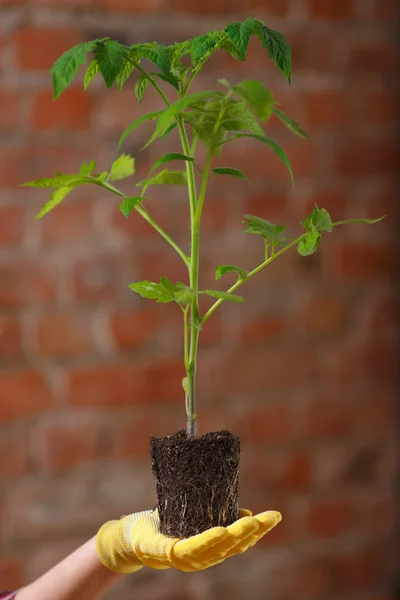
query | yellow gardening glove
[127, 545]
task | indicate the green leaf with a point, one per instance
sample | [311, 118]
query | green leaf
[123, 167]
[266, 229]
[222, 269]
[201, 45]
[290, 124]
[168, 115]
[309, 243]
[147, 117]
[362, 221]
[318, 220]
[141, 86]
[185, 294]
[166, 177]
[223, 295]
[59, 180]
[124, 74]
[169, 157]
[169, 129]
[128, 205]
[272, 144]
[237, 117]
[256, 95]
[111, 58]
[278, 48]
[92, 70]
[152, 291]
[155, 53]
[174, 81]
[66, 67]
[86, 169]
[229, 171]
[57, 197]
[240, 34]
[226, 44]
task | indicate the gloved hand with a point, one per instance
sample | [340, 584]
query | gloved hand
[127, 545]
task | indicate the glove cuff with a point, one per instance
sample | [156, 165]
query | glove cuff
[114, 550]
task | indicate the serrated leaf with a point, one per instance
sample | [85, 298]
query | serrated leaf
[309, 243]
[170, 78]
[147, 117]
[86, 169]
[166, 177]
[168, 116]
[321, 219]
[185, 294]
[177, 51]
[362, 221]
[278, 48]
[92, 70]
[223, 295]
[256, 95]
[141, 86]
[124, 74]
[66, 66]
[272, 144]
[269, 231]
[201, 45]
[240, 34]
[170, 157]
[223, 269]
[57, 197]
[128, 205]
[155, 53]
[123, 167]
[237, 117]
[59, 180]
[152, 291]
[290, 124]
[229, 171]
[226, 44]
[111, 57]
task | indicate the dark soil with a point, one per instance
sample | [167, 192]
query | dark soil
[197, 481]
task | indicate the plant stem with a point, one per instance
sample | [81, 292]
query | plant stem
[152, 82]
[143, 212]
[253, 272]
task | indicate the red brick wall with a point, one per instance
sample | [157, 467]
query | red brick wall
[305, 371]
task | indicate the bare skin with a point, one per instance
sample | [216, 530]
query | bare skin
[80, 576]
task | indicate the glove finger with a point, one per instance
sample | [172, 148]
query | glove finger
[186, 552]
[244, 512]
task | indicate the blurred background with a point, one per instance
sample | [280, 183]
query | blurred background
[305, 371]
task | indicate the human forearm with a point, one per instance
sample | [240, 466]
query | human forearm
[80, 576]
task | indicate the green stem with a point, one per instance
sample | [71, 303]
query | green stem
[152, 82]
[253, 272]
[143, 212]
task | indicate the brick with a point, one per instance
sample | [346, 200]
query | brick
[10, 572]
[25, 283]
[269, 205]
[215, 216]
[330, 519]
[313, 51]
[381, 106]
[135, 329]
[326, 110]
[335, 202]
[360, 261]
[71, 111]
[331, 418]
[276, 8]
[23, 393]
[37, 48]
[378, 57]
[61, 335]
[386, 10]
[215, 7]
[122, 385]
[135, 226]
[99, 279]
[262, 328]
[61, 448]
[10, 104]
[366, 157]
[265, 425]
[10, 339]
[72, 222]
[279, 472]
[322, 314]
[133, 6]
[330, 9]
[14, 456]
[11, 225]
